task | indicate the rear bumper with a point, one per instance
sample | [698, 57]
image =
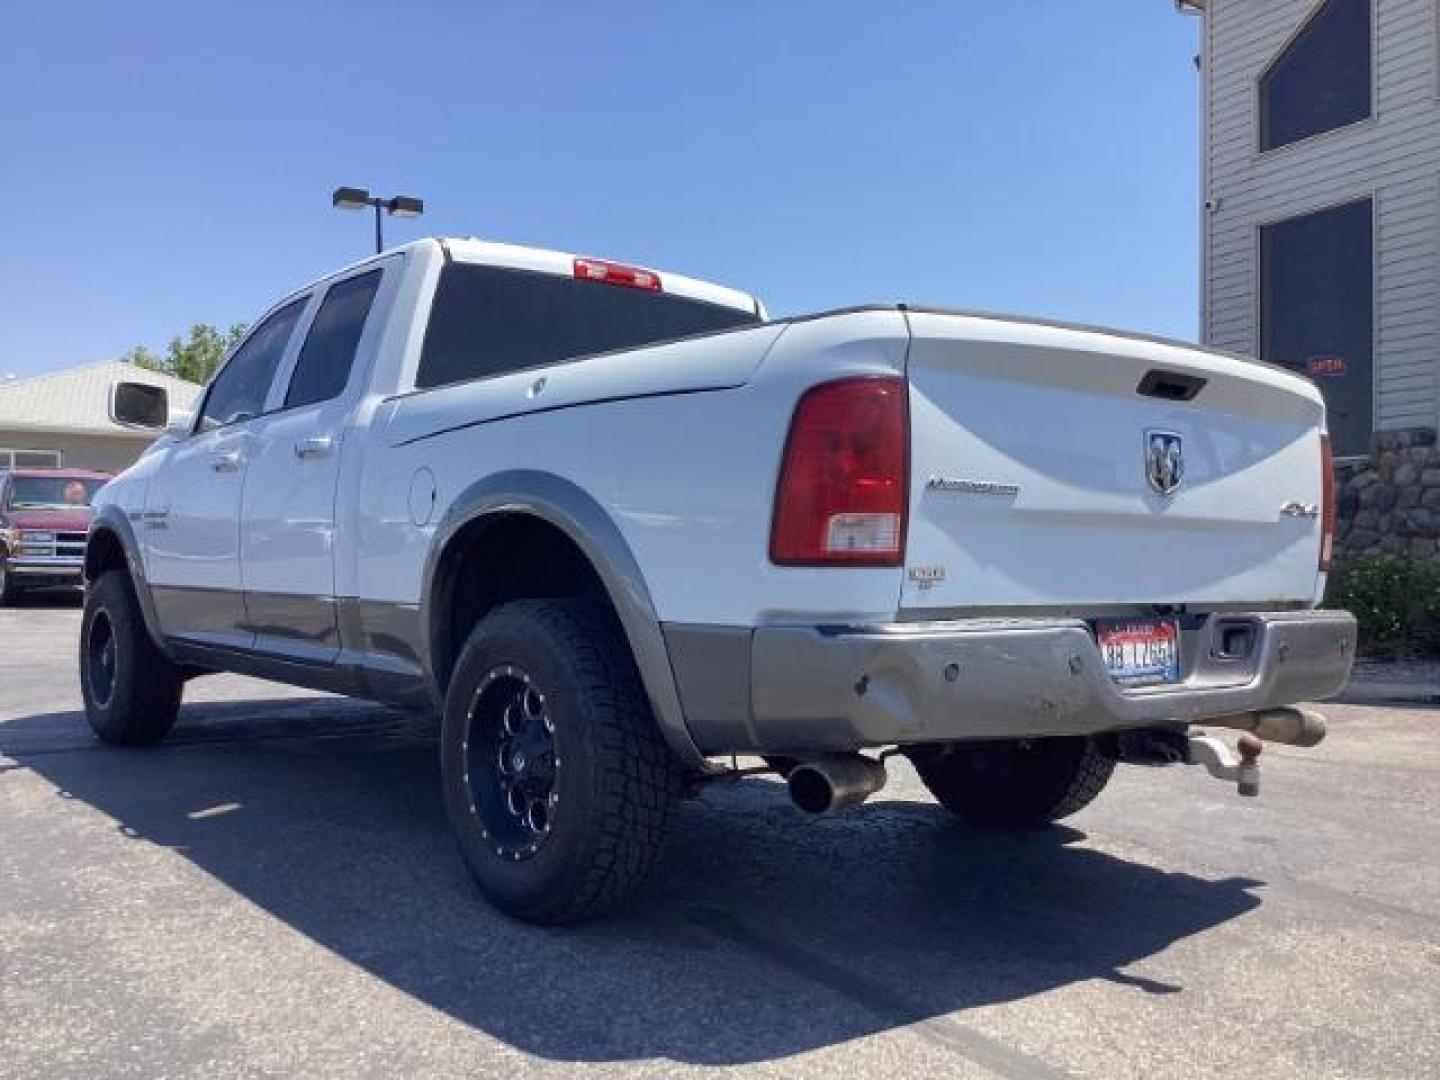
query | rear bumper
[846, 687]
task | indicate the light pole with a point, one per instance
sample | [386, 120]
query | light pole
[351, 198]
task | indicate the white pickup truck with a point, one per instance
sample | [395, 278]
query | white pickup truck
[618, 528]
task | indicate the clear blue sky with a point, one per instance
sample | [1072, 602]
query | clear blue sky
[165, 163]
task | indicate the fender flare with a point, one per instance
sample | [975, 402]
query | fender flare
[110, 518]
[567, 507]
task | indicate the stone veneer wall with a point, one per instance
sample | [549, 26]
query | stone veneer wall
[1391, 501]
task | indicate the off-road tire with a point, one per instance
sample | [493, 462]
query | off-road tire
[616, 783]
[1014, 784]
[142, 699]
[9, 591]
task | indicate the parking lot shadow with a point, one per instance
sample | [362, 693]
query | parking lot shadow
[764, 933]
[49, 598]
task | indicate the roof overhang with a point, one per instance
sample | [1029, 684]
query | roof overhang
[1191, 7]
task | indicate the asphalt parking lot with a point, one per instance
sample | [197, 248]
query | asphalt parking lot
[274, 893]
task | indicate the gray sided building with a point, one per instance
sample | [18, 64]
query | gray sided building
[1321, 232]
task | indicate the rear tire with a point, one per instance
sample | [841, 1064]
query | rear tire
[557, 782]
[1015, 784]
[131, 689]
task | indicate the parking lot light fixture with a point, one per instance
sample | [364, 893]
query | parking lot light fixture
[352, 198]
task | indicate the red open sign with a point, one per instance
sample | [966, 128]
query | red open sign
[1326, 365]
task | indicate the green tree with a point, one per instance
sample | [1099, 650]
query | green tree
[194, 358]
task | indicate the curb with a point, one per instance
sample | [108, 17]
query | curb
[1385, 693]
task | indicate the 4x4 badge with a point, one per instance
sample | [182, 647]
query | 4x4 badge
[1164, 461]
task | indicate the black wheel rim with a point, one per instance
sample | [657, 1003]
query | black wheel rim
[100, 658]
[511, 763]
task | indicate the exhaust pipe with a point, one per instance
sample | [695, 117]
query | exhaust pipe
[835, 782]
[1291, 727]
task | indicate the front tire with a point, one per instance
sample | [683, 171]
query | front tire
[9, 590]
[1015, 784]
[131, 690]
[557, 782]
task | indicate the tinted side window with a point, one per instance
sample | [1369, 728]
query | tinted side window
[329, 351]
[487, 321]
[1322, 79]
[1317, 311]
[238, 392]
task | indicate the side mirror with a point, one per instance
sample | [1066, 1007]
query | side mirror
[139, 405]
[179, 423]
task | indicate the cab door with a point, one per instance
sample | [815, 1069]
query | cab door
[191, 521]
[287, 518]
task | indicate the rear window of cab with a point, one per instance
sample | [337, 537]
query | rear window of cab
[488, 320]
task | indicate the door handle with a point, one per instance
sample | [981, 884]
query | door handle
[226, 463]
[314, 447]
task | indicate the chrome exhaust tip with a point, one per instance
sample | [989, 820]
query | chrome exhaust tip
[1286, 725]
[833, 782]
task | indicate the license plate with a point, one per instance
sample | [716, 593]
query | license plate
[1140, 652]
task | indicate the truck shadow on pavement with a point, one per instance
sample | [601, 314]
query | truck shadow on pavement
[49, 598]
[764, 934]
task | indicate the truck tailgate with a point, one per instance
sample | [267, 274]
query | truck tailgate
[1032, 452]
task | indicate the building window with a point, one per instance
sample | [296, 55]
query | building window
[1321, 81]
[29, 459]
[1317, 311]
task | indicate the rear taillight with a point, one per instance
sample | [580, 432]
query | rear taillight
[843, 480]
[617, 274]
[1327, 504]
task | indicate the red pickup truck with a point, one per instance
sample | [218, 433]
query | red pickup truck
[44, 516]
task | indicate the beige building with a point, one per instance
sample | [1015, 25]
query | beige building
[62, 417]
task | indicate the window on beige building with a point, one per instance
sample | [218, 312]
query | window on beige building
[29, 459]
